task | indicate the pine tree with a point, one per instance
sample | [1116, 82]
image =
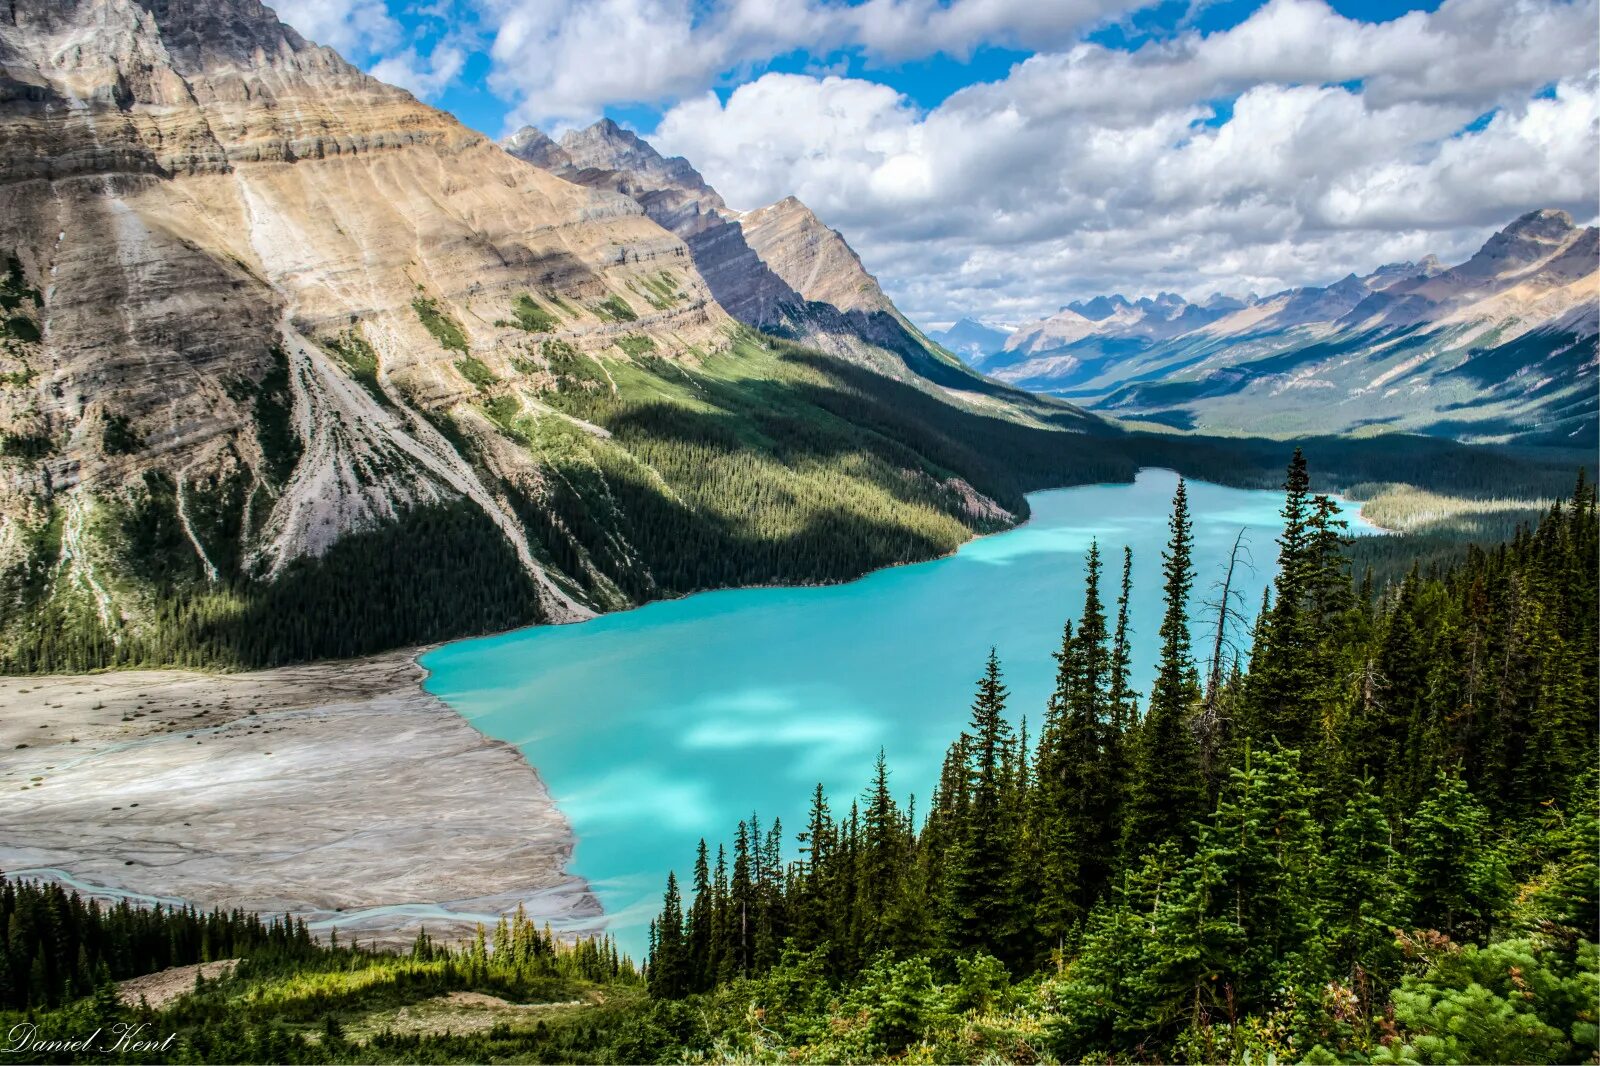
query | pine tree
[700, 973]
[1362, 887]
[1124, 704]
[668, 959]
[981, 905]
[1242, 930]
[1457, 878]
[1075, 805]
[1167, 792]
[880, 868]
[816, 888]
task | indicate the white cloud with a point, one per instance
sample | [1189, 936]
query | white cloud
[1094, 169]
[356, 28]
[562, 61]
[425, 77]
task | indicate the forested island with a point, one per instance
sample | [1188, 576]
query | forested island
[1371, 837]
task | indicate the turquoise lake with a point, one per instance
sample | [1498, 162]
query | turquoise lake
[657, 726]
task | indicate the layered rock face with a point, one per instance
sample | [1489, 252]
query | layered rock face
[811, 257]
[293, 366]
[778, 268]
[1500, 346]
[672, 192]
[206, 222]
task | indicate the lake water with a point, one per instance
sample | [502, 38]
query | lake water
[657, 726]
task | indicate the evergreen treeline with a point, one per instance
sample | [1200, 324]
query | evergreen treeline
[56, 947]
[1382, 824]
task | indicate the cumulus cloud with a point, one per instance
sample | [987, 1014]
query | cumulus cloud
[1287, 150]
[426, 76]
[357, 28]
[563, 61]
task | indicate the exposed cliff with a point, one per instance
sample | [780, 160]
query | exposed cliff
[294, 365]
[777, 268]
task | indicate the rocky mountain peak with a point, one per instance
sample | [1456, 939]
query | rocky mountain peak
[533, 145]
[1548, 224]
[607, 146]
[1527, 240]
[1100, 308]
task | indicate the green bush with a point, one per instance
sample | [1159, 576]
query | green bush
[615, 309]
[636, 344]
[1513, 1001]
[118, 437]
[446, 330]
[476, 372]
[531, 317]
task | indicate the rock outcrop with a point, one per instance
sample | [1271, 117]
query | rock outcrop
[206, 222]
[777, 268]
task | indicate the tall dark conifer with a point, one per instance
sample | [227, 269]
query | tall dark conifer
[1283, 685]
[981, 905]
[1167, 791]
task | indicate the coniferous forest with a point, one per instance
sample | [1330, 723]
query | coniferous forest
[1368, 835]
[1375, 840]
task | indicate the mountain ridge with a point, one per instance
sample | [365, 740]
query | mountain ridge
[1499, 346]
[777, 268]
[294, 366]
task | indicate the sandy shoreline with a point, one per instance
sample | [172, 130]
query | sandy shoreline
[338, 791]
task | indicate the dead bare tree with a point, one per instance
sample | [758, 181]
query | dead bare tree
[1208, 724]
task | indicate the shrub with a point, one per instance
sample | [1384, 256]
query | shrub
[476, 372]
[446, 330]
[615, 309]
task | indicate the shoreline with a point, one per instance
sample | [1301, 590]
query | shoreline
[341, 792]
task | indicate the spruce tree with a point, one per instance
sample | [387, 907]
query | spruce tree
[1075, 799]
[1284, 677]
[881, 864]
[1362, 887]
[981, 905]
[1167, 792]
[699, 972]
[1457, 878]
[668, 957]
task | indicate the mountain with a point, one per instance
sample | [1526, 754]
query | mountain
[777, 268]
[972, 340]
[1502, 346]
[292, 365]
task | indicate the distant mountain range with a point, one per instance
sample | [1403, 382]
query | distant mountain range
[1502, 346]
[972, 340]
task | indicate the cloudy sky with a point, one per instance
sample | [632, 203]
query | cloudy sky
[997, 158]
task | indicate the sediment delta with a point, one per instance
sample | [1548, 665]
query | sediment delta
[339, 792]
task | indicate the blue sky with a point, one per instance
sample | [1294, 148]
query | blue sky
[999, 158]
[926, 80]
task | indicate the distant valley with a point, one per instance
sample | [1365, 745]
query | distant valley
[1500, 347]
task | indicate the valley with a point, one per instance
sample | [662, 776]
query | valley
[1501, 347]
[454, 587]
